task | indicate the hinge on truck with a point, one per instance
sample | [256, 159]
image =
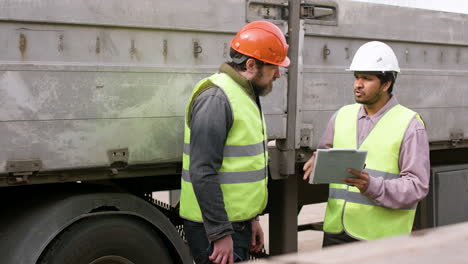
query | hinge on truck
[271, 10]
[322, 12]
[19, 171]
[118, 159]
[307, 132]
[313, 12]
[456, 137]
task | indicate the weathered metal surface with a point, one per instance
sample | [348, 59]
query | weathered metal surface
[118, 78]
[448, 196]
[433, 56]
[205, 15]
[80, 78]
[395, 23]
[15, 166]
[440, 245]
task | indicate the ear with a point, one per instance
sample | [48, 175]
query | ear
[250, 65]
[386, 85]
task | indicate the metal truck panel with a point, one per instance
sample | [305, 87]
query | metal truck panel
[453, 6]
[200, 15]
[360, 20]
[432, 51]
[448, 196]
[81, 78]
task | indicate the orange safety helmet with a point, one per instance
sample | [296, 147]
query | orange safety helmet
[264, 41]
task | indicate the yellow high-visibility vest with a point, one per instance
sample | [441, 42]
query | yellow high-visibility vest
[243, 173]
[347, 209]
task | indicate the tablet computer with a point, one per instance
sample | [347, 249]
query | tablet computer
[331, 165]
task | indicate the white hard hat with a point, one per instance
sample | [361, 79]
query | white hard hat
[374, 56]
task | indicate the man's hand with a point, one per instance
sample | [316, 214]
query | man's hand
[362, 180]
[256, 242]
[223, 251]
[309, 166]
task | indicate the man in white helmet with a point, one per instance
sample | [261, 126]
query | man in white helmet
[381, 200]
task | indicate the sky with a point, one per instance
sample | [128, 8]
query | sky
[457, 6]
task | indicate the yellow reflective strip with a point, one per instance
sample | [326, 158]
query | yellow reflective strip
[237, 150]
[234, 177]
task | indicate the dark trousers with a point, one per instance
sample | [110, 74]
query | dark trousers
[202, 249]
[336, 239]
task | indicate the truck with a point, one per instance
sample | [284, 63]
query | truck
[92, 103]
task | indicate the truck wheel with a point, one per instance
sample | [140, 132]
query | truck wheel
[106, 239]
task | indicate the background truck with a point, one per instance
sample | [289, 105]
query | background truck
[92, 101]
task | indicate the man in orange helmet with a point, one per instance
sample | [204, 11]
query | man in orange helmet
[224, 178]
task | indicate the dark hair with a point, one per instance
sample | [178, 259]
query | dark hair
[387, 77]
[240, 66]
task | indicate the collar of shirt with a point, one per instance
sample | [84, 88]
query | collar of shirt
[391, 103]
[238, 78]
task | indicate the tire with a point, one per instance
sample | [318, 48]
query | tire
[107, 239]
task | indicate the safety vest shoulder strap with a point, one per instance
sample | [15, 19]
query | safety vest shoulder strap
[346, 126]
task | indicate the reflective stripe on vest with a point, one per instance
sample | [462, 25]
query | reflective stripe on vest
[347, 208]
[237, 151]
[243, 173]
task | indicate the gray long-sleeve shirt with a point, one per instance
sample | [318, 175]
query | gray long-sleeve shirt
[413, 183]
[210, 122]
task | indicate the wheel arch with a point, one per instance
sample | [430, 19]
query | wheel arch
[32, 226]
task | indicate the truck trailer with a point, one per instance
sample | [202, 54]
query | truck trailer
[92, 103]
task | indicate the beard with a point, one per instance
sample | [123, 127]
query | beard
[369, 101]
[261, 90]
